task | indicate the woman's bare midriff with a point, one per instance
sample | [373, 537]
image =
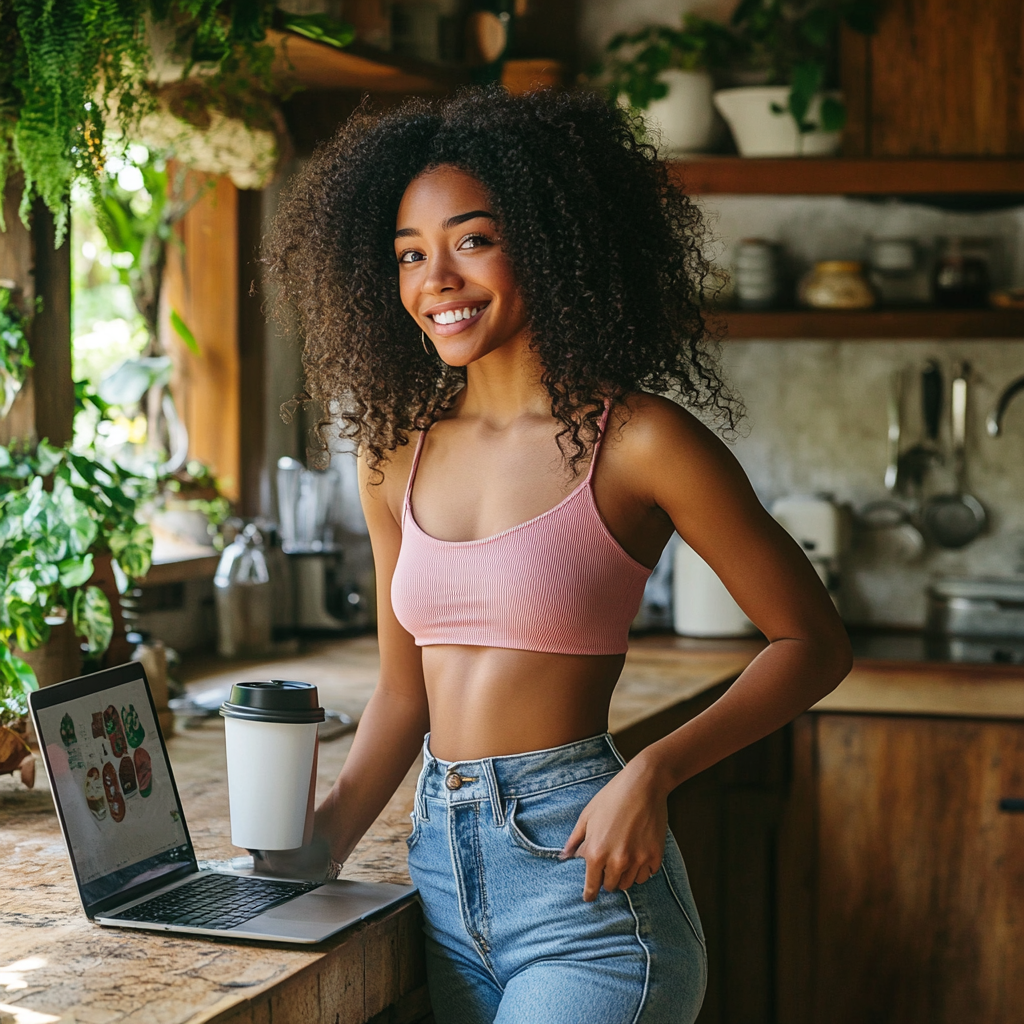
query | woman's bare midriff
[489, 701]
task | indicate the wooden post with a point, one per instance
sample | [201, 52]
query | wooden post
[51, 332]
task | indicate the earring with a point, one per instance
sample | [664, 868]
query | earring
[423, 338]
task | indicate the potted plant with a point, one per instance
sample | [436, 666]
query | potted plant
[67, 521]
[665, 72]
[788, 49]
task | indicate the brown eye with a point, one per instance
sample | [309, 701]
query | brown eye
[474, 241]
[410, 256]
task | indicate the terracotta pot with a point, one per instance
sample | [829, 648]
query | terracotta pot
[59, 658]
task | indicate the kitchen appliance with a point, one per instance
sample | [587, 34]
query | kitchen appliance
[701, 605]
[330, 566]
[962, 279]
[821, 529]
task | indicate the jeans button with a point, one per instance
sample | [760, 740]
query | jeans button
[453, 780]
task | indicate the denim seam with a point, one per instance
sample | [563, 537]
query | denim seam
[679, 903]
[647, 954]
[463, 900]
[563, 785]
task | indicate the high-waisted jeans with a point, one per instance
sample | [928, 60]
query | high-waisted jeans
[509, 938]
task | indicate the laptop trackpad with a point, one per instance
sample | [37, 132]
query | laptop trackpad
[333, 905]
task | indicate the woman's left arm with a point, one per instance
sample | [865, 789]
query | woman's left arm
[685, 471]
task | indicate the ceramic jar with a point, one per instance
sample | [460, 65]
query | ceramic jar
[756, 274]
[836, 284]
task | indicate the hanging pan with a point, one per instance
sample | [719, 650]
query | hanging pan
[954, 520]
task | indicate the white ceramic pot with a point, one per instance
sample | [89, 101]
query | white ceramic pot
[685, 118]
[701, 606]
[759, 131]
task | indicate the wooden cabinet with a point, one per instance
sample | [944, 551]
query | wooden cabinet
[938, 78]
[901, 884]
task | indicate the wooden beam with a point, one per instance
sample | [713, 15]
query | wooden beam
[254, 482]
[201, 285]
[16, 267]
[51, 331]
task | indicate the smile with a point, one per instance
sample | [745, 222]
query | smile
[453, 316]
[453, 321]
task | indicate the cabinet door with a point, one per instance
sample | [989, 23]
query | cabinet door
[939, 78]
[920, 873]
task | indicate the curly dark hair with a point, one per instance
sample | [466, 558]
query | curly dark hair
[607, 253]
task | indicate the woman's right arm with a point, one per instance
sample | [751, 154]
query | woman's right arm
[391, 728]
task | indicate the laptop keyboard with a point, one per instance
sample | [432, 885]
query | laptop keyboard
[215, 901]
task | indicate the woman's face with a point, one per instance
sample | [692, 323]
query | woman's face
[454, 277]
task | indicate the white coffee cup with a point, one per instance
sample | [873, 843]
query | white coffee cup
[270, 731]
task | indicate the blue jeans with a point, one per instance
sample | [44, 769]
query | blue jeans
[509, 938]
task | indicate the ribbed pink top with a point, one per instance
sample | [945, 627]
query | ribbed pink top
[559, 582]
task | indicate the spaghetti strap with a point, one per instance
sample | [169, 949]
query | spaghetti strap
[412, 473]
[602, 423]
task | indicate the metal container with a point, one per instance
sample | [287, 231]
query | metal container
[977, 607]
[244, 597]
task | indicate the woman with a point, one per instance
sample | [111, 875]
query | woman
[496, 292]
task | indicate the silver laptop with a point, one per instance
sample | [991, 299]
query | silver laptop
[126, 834]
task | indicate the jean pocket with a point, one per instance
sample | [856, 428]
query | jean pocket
[541, 824]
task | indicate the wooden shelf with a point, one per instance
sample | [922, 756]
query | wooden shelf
[358, 67]
[886, 323]
[848, 176]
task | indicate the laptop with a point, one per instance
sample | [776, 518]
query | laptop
[127, 839]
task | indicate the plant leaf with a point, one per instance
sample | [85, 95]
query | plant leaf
[183, 332]
[93, 618]
[833, 114]
[74, 572]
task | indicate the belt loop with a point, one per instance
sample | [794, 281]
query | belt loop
[497, 802]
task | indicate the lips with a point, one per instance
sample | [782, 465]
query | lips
[446, 330]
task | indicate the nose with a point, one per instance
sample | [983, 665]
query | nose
[442, 275]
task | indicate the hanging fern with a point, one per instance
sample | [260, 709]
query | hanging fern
[70, 70]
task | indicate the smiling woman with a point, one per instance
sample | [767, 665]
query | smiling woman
[556, 272]
[571, 190]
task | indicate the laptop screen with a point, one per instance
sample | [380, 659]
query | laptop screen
[112, 784]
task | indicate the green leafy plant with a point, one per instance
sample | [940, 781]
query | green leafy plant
[71, 71]
[793, 43]
[635, 61]
[58, 510]
[15, 361]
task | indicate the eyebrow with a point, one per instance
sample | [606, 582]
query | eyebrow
[451, 222]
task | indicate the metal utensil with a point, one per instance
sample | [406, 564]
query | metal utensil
[894, 400]
[915, 463]
[954, 520]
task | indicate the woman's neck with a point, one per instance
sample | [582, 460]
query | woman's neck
[505, 385]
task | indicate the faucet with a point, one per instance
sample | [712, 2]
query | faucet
[994, 423]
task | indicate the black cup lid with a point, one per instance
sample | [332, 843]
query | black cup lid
[274, 700]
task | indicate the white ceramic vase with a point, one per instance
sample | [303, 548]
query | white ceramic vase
[685, 118]
[759, 131]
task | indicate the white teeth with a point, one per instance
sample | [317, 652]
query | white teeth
[453, 316]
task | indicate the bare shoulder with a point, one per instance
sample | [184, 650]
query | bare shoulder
[651, 429]
[383, 487]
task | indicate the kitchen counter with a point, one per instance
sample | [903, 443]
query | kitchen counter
[56, 966]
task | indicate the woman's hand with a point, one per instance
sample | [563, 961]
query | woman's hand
[621, 832]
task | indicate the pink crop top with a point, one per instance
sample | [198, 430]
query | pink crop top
[559, 582]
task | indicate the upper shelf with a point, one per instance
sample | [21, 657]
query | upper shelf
[867, 324]
[357, 67]
[848, 176]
